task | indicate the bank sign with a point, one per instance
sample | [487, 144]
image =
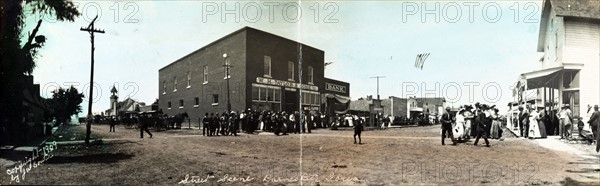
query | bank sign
[288, 84]
[335, 88]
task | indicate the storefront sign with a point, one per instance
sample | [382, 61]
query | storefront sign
[286, 84]
[311, 108]
[335, 88]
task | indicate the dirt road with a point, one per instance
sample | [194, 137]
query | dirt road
[406, 156]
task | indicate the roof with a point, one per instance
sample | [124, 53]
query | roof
[589, 9]
[577, 8]
[228, 36]
[360, 105]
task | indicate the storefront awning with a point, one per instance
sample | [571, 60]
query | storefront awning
[542, 78]
[339, 98]
[548, 77]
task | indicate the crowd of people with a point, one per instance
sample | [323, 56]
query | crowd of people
[267, 121]
[539, 122]
[478, 121]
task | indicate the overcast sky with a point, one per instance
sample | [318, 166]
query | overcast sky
[487, 43]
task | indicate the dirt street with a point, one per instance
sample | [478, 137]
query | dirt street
[398, 156]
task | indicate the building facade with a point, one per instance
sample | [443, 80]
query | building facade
[569, 37]
[260, 71]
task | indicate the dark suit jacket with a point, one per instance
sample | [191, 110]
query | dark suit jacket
[524, 118]
[595, 119]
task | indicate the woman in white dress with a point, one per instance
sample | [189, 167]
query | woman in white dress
[459, 126]
[534, 129]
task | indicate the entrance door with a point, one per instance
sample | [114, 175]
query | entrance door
[290, 102]
[572, 98]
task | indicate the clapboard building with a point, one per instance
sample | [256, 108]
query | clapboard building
[266, 72]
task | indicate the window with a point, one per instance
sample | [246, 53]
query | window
[215, 99]
[164, 87]
[310, 75]
[290, 71]
[267, 68]
[196, 101]
[189, 79]
[266, 93]
[205, 74]
[181, 103]
[174, 84]
[310, 98]
[169, 105]
[226, 69]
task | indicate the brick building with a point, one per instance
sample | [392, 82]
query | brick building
[264, 74]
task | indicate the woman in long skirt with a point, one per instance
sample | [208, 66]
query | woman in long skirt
[495, 131]
[541, 122]
[534, 129]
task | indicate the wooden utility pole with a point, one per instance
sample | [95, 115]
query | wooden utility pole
[378, 77]
[90, 29]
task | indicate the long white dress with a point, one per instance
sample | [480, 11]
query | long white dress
[459, 126]
[534, 128]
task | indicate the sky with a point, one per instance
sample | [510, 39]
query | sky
[477, 49]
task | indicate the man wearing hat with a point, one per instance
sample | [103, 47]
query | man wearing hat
[565, 121]
[523, 121]
[447, 126]
[482, 121]
[594, 123]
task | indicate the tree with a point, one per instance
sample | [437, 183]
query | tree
[64, 104]
[16, 60]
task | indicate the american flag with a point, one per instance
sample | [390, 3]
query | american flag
[421, 60]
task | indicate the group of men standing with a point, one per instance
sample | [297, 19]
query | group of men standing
[226, 124]
[268, 121]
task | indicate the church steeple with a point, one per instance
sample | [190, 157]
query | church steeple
[113, 101]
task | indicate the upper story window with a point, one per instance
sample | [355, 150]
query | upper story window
[310, 75]
[181, 103]
[174, 84]
[189, 79]
[205, 74]
[226, 69]
[164, 87]
[267, 66]
[290, 71]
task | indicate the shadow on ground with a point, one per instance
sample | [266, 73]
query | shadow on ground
[105, 158]
[571, 182]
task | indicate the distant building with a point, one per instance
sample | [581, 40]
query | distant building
[395, 106]
[569, 37]
[264, 74]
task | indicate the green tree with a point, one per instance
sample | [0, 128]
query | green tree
[64, 104]
[17, 55]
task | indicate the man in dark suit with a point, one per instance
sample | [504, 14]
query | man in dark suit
[205, 124]
[594, 123]
[523, 121]
[447, 126]
[481, 121]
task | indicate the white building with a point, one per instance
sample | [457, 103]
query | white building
[570, 72]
